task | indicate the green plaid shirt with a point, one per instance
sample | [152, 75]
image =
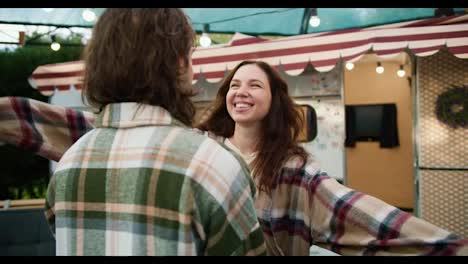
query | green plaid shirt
[141, 183]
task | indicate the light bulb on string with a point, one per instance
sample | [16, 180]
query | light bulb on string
[380, 69]
[55, 46]
[349, 66]
[205, 40]
[314, 20]
[401, 72]
[88, 15]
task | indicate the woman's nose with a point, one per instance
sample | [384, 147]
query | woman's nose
[242, 91]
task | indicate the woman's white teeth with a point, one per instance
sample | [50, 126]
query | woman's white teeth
[241, 105]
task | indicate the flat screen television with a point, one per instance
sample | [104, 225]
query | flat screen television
[368, 122]
[372, 122]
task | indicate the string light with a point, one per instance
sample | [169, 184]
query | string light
[88, 15]
[401, 72]
[349, 66]
[244, 16]
[205, 40]
[380, 68]
[314, 19]
[55, 46]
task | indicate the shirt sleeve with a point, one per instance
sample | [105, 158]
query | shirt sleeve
[42, 128]
[349, 222]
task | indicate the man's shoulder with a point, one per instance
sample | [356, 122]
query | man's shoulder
[197, 139]
[215, 162]
[209, 134]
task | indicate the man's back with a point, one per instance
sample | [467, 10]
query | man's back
[143, 184]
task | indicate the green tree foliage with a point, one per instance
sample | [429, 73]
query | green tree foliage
[24, 175]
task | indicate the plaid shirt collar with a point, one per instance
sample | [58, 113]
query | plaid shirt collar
[130, 114]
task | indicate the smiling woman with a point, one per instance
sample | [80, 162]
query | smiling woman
[249, 96]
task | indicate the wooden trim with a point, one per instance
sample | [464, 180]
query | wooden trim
[22, 204]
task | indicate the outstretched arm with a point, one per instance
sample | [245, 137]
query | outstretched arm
[42, 128]
[352, 223]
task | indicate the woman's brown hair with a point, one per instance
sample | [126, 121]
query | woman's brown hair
[279, 132]
[134, 56]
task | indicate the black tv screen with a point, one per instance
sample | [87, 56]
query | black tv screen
[376, 122]
[368, 122]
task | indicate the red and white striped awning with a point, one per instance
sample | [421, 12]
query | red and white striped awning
[322, 50]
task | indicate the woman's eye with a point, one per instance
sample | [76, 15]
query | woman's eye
[234, 86]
